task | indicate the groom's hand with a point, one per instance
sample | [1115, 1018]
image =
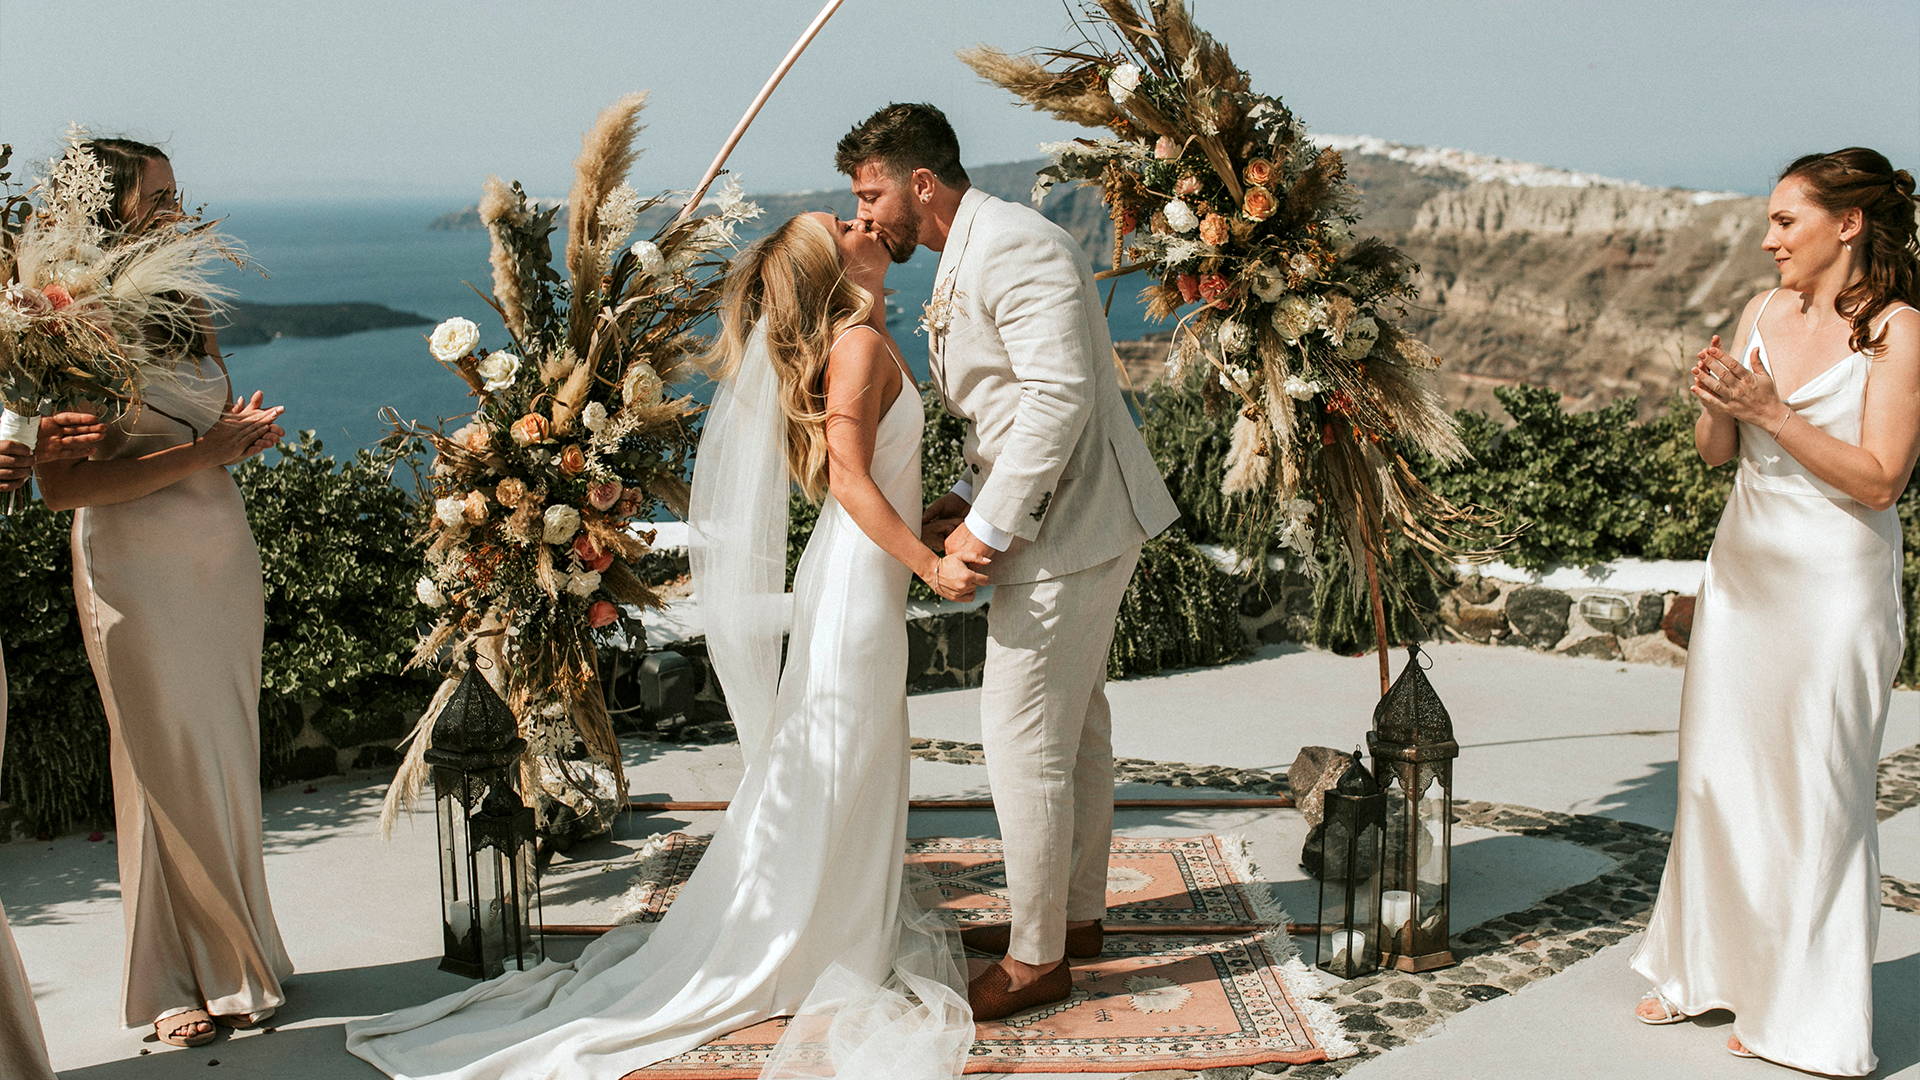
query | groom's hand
[934, 533]
[949, 505]
[963, 543]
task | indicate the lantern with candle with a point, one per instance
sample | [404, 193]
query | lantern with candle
[488, 891]
[1348, 942]
[1413, 749]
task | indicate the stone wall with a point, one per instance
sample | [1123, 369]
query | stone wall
[1603, 624]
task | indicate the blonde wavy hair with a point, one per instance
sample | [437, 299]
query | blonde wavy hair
[791, 281]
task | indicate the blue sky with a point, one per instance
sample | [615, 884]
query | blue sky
[266, 99]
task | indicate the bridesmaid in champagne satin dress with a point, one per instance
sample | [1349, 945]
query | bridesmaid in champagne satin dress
[167, 580]
[1770, 903]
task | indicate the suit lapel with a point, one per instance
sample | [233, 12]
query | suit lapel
[946, 274]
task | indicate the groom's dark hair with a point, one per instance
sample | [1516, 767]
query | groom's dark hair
[904, 138]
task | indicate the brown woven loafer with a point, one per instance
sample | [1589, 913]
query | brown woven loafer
[992, 1000]
[1083, 942]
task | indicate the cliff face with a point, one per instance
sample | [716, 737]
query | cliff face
[1600, 288]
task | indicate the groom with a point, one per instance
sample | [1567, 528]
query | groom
[1059, 491]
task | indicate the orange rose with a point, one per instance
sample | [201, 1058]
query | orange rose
[602, 613]
[1189, 287]
[1259, 172]
[58, 296]
[1213, 230]
[600, 562]
[1214, 289]
[573, 460]
[530, 429]
[1259, 204]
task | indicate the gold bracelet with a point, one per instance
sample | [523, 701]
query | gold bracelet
[1782, 425]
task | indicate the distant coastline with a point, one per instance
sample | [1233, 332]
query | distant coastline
[257, 324]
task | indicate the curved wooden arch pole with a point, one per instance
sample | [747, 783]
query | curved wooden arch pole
[759, 101]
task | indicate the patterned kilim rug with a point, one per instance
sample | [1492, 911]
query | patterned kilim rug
[1153, 1001]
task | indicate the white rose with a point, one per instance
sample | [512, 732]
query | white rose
[1304, 266]
[647, 253]
[1361, 334]
[1232, 336]
[450, 510]
[453, 339]
[428, 593]
[642, 385]
[1300, 389]
[559, 524]
[1292, 318]
[1180, 216]
[583, 582]
[1268, 285]
[498, 370]
[1237, 379]
[1123, 82]
[593, 417]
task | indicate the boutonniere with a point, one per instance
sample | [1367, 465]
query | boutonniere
[937, 315]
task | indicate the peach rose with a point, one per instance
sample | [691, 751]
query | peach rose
[1213, 230]
[603, 494]
[584, 548]
[1259, 204]
[602, 613]
[474, 509]
[58, 296]
[1259, 172]
[1167, 148]
[530, 429]
[1187, 186]
[510, 492]
[573, 460]
[600, 562]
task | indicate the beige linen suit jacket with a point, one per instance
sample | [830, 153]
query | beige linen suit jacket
[1020, 351]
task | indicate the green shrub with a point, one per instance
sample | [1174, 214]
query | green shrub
[1180, 610]
[338, 571]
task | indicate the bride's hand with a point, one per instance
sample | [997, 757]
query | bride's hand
[954, 578]
[1740, 391]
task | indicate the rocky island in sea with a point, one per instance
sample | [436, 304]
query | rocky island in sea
[256, 324]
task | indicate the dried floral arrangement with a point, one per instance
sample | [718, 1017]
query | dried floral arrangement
[85, 311]
[1216, 193]
[536, 508]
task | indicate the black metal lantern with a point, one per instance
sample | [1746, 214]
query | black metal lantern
[1348, 943]
[1413, 750]
[489, 897]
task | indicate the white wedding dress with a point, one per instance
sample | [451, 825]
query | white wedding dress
[798, 905]
[1770, 902]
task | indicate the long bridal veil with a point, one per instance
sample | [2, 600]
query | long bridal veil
[915, 1025]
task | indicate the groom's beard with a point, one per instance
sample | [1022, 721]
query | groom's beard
[901, 242]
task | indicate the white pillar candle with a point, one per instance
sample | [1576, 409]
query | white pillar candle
[460, 916]
[1396, 909]
[1348, 947]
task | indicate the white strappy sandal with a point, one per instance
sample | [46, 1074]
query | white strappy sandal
[1669, 1012]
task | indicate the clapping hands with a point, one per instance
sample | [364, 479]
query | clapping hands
[1734, 390]
[245, 428]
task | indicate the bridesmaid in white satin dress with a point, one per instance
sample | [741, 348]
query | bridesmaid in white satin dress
[797, 906]
[167, 580]
[1770, 903]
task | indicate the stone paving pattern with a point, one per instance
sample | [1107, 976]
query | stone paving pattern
[1507, 953]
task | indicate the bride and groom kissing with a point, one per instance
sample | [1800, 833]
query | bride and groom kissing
[800, 906]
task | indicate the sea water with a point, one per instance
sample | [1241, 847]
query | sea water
[385, 253]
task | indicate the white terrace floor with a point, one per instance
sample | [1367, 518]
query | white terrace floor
[1540, 731]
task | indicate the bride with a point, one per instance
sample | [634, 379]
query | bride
[798, 907]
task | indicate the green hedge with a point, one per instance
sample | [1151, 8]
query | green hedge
[339, 574]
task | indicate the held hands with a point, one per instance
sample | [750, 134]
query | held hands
[954, 577]
[245, 428]
[1728, 388]
[16, 464]
[948, 506]
[963, 543]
